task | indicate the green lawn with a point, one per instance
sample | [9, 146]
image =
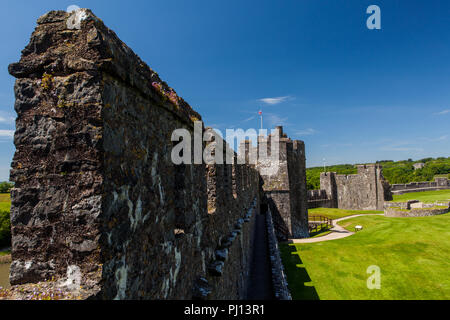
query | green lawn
[5, 202]
[334, 213]
[321, 232]
[4, 253]
[412, 253]
[426, 196]
[5, 227]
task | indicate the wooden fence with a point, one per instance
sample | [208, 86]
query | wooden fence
[317, 223]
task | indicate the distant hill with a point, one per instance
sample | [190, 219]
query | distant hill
[394, 171]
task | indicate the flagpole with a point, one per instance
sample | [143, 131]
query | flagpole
[260, 114]
[261, 121]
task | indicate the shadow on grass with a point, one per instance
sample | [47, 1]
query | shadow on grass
[323, 230]
[297, 275]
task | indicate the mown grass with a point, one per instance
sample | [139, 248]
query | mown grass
[5, 253]
[333, 213]
[426, 196]
[5, 225]
[5, 202]
[320, 233]
[412, 253]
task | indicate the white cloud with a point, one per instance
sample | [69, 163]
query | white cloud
[337, 145]
[443, 112]
[403, 146]
[276, 100]
[272, 120]
[437, 139]
[305, 132]
[248, 119]
[6, 119]
[402, 149]
[442, 138]
[4, 173]
[420, 144]
[6, 133]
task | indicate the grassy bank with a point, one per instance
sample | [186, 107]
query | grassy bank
[412, 253]
[5, 202]
[426, 196]
[5, 253]
[5, 258]
[333, 213]
[5, 225]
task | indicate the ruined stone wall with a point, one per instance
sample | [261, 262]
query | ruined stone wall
[366, 190]
[317, 195]
[284, 189]
[95, 188]
[438, 184]
[319, 199]
[415, 208]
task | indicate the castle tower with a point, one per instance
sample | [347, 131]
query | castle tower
[328, 183]
[283, 174]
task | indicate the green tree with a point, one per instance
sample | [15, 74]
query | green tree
[5, 229]
[5, 186]
[394, 171]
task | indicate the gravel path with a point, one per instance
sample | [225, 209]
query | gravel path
[337, 232]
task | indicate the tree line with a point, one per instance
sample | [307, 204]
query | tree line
[5, 187]
[394, 171]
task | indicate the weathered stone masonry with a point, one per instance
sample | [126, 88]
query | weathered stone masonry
[437, 184]
[366, 190]
[415, 208]
[95, 187]
[319, 199]
[284, 191]
[279, 281]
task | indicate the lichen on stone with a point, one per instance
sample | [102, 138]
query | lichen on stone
[47, 80]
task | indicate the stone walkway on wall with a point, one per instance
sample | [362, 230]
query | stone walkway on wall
[260, 287]
[337, 232]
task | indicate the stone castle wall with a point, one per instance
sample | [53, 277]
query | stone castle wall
[319, 199]
[96, 192]
[415, 208]
[366, 190]
[284, 189]
[95, 188]
[279, 280]
[437, 184]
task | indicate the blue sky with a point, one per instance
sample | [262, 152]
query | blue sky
[352, 94]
